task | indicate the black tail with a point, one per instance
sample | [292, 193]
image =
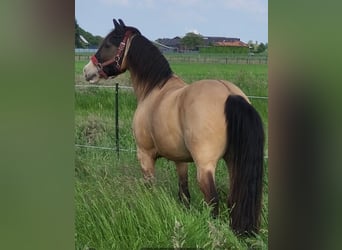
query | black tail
[245, 159]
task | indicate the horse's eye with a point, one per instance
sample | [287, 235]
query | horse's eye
[114, 40]
[107, 45]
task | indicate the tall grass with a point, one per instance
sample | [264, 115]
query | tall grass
[115, 209]
[119, 211]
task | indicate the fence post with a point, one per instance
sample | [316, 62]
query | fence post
[117, 119]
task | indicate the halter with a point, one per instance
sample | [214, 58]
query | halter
[117, 60]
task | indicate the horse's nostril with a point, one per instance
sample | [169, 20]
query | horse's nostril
[89, 77]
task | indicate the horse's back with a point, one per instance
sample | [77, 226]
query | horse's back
[185, 122]
[212, 88]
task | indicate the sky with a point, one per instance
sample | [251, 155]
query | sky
[244, 19]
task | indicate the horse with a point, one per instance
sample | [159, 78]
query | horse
[200, 122]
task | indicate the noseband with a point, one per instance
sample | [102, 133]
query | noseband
[116, 61]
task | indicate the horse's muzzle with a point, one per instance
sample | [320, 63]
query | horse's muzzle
[90, 73]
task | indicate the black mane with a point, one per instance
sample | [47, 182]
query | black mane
[148, 64]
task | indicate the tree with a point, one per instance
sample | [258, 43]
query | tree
[261, 48]
[78, 43]
[250, 43]
[94, 41]
[192, 41]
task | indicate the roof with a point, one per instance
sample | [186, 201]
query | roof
[170, 42]
[232, 44]
[84, 40]
[161, 45]
[214, 39]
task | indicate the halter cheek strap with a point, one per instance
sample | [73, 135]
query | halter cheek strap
[117, 60]
[99, 67]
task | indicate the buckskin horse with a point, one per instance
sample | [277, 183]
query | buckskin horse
[200, 122]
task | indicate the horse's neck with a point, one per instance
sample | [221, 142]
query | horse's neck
[137, 87]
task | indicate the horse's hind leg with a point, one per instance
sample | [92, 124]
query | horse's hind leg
[147, 162]
[205, 178]
[183, 193]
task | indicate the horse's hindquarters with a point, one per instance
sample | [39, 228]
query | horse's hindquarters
[203, 121]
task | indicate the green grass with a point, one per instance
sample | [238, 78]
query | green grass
[116, 210]
[121, 212]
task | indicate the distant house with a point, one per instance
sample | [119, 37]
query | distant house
[213, 40]
[175, 44]
[232, 44]
[163, 47]
[226, 47]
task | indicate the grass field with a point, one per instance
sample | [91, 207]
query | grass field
[115, 210]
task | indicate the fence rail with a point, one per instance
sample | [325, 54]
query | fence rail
[197, 58]
[117, 148]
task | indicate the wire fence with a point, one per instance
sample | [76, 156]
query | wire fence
[117, 148]
[200, 58]
[131, 88]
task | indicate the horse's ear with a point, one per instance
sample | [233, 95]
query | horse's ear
[122, 23]
[116, 24]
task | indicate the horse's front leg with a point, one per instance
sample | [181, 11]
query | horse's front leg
[182, 171]
[147, 161]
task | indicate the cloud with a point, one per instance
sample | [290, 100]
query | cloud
[152, 3]
[116, 2]
[195, 31]
[251, 6]
[130, 3]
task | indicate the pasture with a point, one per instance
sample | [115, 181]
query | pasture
[115, 209]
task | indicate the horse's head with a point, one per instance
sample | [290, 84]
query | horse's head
[109, 58]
